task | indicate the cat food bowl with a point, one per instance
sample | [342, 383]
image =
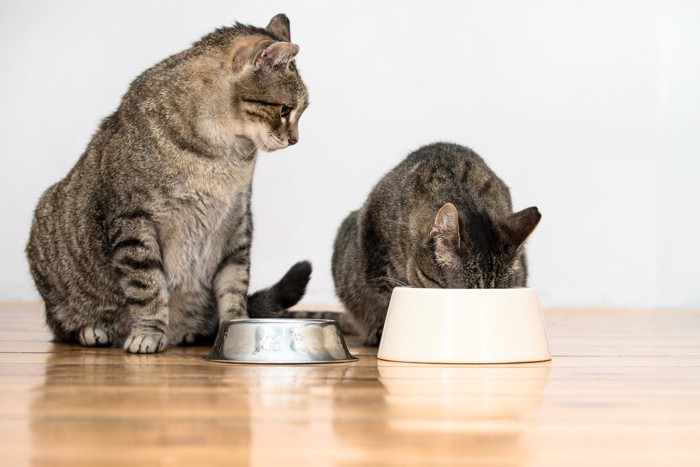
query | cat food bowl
[280, 341]
[464, 326]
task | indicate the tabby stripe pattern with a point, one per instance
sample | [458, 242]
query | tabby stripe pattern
[137, 261]
[232, 275]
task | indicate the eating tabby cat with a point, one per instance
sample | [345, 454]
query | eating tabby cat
[440, 218]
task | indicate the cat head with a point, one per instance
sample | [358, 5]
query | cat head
[474, 251]
[268, 93]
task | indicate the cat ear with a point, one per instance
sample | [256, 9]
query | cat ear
[445, 234]
[519, 225]
[279, 26]
[248, 54]
[446, 224]
[278, 52]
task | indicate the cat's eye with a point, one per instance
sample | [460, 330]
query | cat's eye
[285, 111]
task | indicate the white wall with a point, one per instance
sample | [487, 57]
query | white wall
[589, 110]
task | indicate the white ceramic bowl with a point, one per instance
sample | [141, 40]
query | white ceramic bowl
[464, 326]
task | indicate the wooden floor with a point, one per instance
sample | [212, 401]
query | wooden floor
[623, 389]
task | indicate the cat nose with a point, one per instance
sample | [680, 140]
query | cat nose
[292, 140]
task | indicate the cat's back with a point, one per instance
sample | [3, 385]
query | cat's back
[444, 172]
[443, 162]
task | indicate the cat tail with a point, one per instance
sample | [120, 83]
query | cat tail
[273, 301]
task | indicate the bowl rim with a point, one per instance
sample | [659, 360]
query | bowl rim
[279, 321]
[401, 287]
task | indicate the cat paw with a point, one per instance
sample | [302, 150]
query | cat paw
[94, 336]
[186, 339]
[373, 337]
[145, 342]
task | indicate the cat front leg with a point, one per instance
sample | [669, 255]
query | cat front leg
[370, 316]
[231, 282]
[95, 336]
[136, 258]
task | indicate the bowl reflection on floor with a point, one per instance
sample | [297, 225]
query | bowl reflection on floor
[461, 397]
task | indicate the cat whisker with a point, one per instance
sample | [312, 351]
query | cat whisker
[255, 149]
[391, 280]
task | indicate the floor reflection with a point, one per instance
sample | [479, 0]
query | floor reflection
[459, 394]
[98, 405]
[172, 409]
[294, 406]
[472, 411]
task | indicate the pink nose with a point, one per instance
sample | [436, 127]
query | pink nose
[292, 141]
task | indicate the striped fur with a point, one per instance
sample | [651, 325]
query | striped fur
[146, 242]
[441, 218]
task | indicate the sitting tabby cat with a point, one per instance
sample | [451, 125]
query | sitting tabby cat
[146, 242]
[441, 218]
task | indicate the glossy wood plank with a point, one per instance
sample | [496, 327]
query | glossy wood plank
[623, 388]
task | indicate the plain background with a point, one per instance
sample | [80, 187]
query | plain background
[589, 110]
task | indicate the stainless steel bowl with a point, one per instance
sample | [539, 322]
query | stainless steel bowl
[280, 341]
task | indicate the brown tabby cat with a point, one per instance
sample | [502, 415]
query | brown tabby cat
[441, 218]
[146, 242]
